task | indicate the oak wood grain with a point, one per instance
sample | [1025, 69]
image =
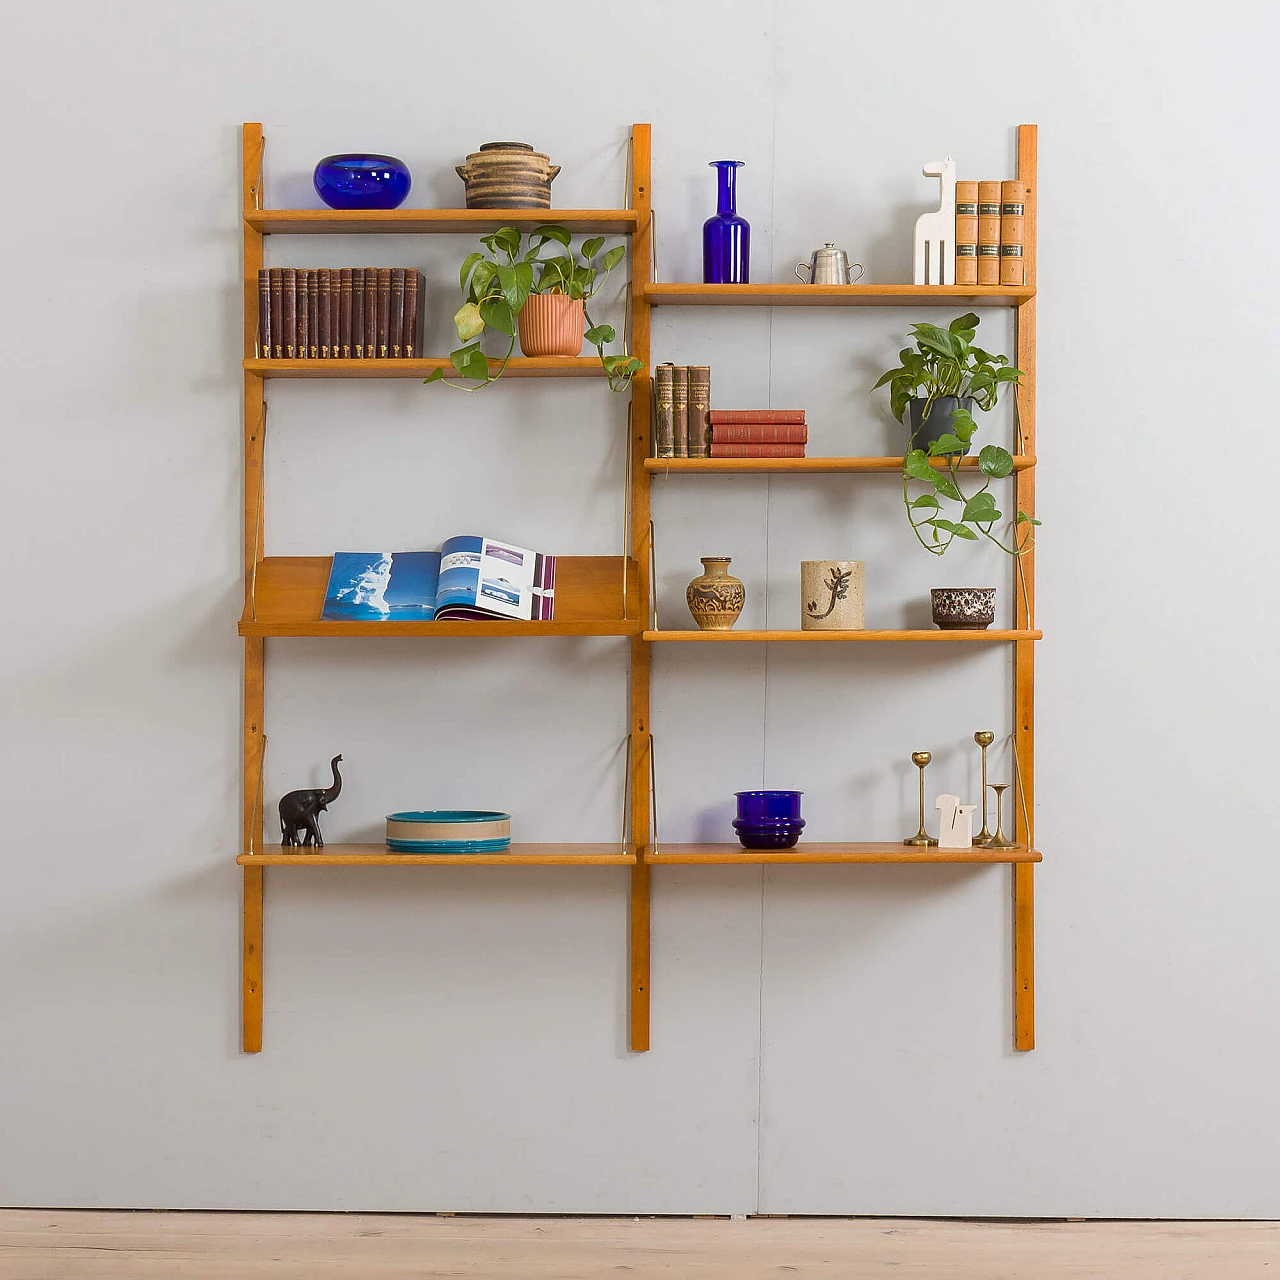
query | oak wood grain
[290, 591]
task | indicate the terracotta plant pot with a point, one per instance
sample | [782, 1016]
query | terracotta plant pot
[715, 597]
[551, 324]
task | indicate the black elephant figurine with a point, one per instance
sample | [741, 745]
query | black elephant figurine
[300, 812]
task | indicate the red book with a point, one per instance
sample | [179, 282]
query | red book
[727, 416]
[756, 450]
[760, 433]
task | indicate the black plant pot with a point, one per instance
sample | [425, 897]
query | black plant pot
[924, 431]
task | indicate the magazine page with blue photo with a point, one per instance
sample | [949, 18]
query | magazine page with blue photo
[371, 586]
[470, 577]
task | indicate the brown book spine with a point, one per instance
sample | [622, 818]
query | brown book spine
[988, 233]
[290, 308]
[304, 313]
[383, 275]
[324, 313]
[344, 313]
[395, 325]
[335, 314]
[756, 450]
[313, 314]
[664, 428]
[760, 433]
[966, 233]
[277, 313]
[724, 417]
[680, 408]
[1013, 196]
[357, 312]
[699, 407]
[264, 314]
[413, 284]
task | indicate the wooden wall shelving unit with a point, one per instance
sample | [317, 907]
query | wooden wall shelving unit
[605, 596]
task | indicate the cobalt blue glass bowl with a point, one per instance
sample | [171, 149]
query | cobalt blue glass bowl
[362, 182]
[757, 806]
[772, 835]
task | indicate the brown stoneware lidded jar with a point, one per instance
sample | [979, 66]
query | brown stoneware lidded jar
[715, 596]
[508, 175]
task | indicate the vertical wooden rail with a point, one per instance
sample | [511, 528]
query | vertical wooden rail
[641, 829]
[1024, 999]
[254, 423]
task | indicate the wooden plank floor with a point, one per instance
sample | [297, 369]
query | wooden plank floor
[61, 1244]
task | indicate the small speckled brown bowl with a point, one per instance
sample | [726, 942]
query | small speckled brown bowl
[963, 608]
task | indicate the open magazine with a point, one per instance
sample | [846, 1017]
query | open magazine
[468, 577]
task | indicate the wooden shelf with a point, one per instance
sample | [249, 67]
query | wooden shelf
[796, 466]
[869, 852]
[835, 295]
[288, 594]
[724, 637]
[378, 855]
[517, 367]
[327, 222]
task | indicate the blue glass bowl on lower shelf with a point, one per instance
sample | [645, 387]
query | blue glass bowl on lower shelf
[449, 831]
[764, 834]
[769, 806]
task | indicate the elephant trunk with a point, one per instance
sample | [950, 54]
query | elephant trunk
[332, 793]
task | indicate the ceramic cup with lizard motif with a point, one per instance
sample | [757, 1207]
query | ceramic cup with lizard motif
[832, 594]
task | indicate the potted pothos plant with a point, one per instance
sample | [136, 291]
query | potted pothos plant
[938, 385]
[516, 290]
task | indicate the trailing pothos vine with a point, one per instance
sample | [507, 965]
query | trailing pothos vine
[977, 509]
[497, 283]
[946, 362]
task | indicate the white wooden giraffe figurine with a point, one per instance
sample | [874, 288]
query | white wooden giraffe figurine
[955, 822]
[934, 255]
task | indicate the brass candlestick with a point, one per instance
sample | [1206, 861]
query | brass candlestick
[998, 840]
[984, 738]
[922, 839]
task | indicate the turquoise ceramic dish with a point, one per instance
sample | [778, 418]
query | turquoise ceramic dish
[449, 831]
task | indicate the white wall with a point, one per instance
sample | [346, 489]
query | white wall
[831, 1040]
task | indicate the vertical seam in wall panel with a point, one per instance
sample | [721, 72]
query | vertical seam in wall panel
[764, 719]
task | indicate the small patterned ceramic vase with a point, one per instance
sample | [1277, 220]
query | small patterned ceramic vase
[715, 596]
[963, 608]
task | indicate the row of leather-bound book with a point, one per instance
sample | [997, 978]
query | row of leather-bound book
[340, 313]
[989, 219]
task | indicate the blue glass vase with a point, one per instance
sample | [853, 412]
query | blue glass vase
[726, 238]
[362, 182]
